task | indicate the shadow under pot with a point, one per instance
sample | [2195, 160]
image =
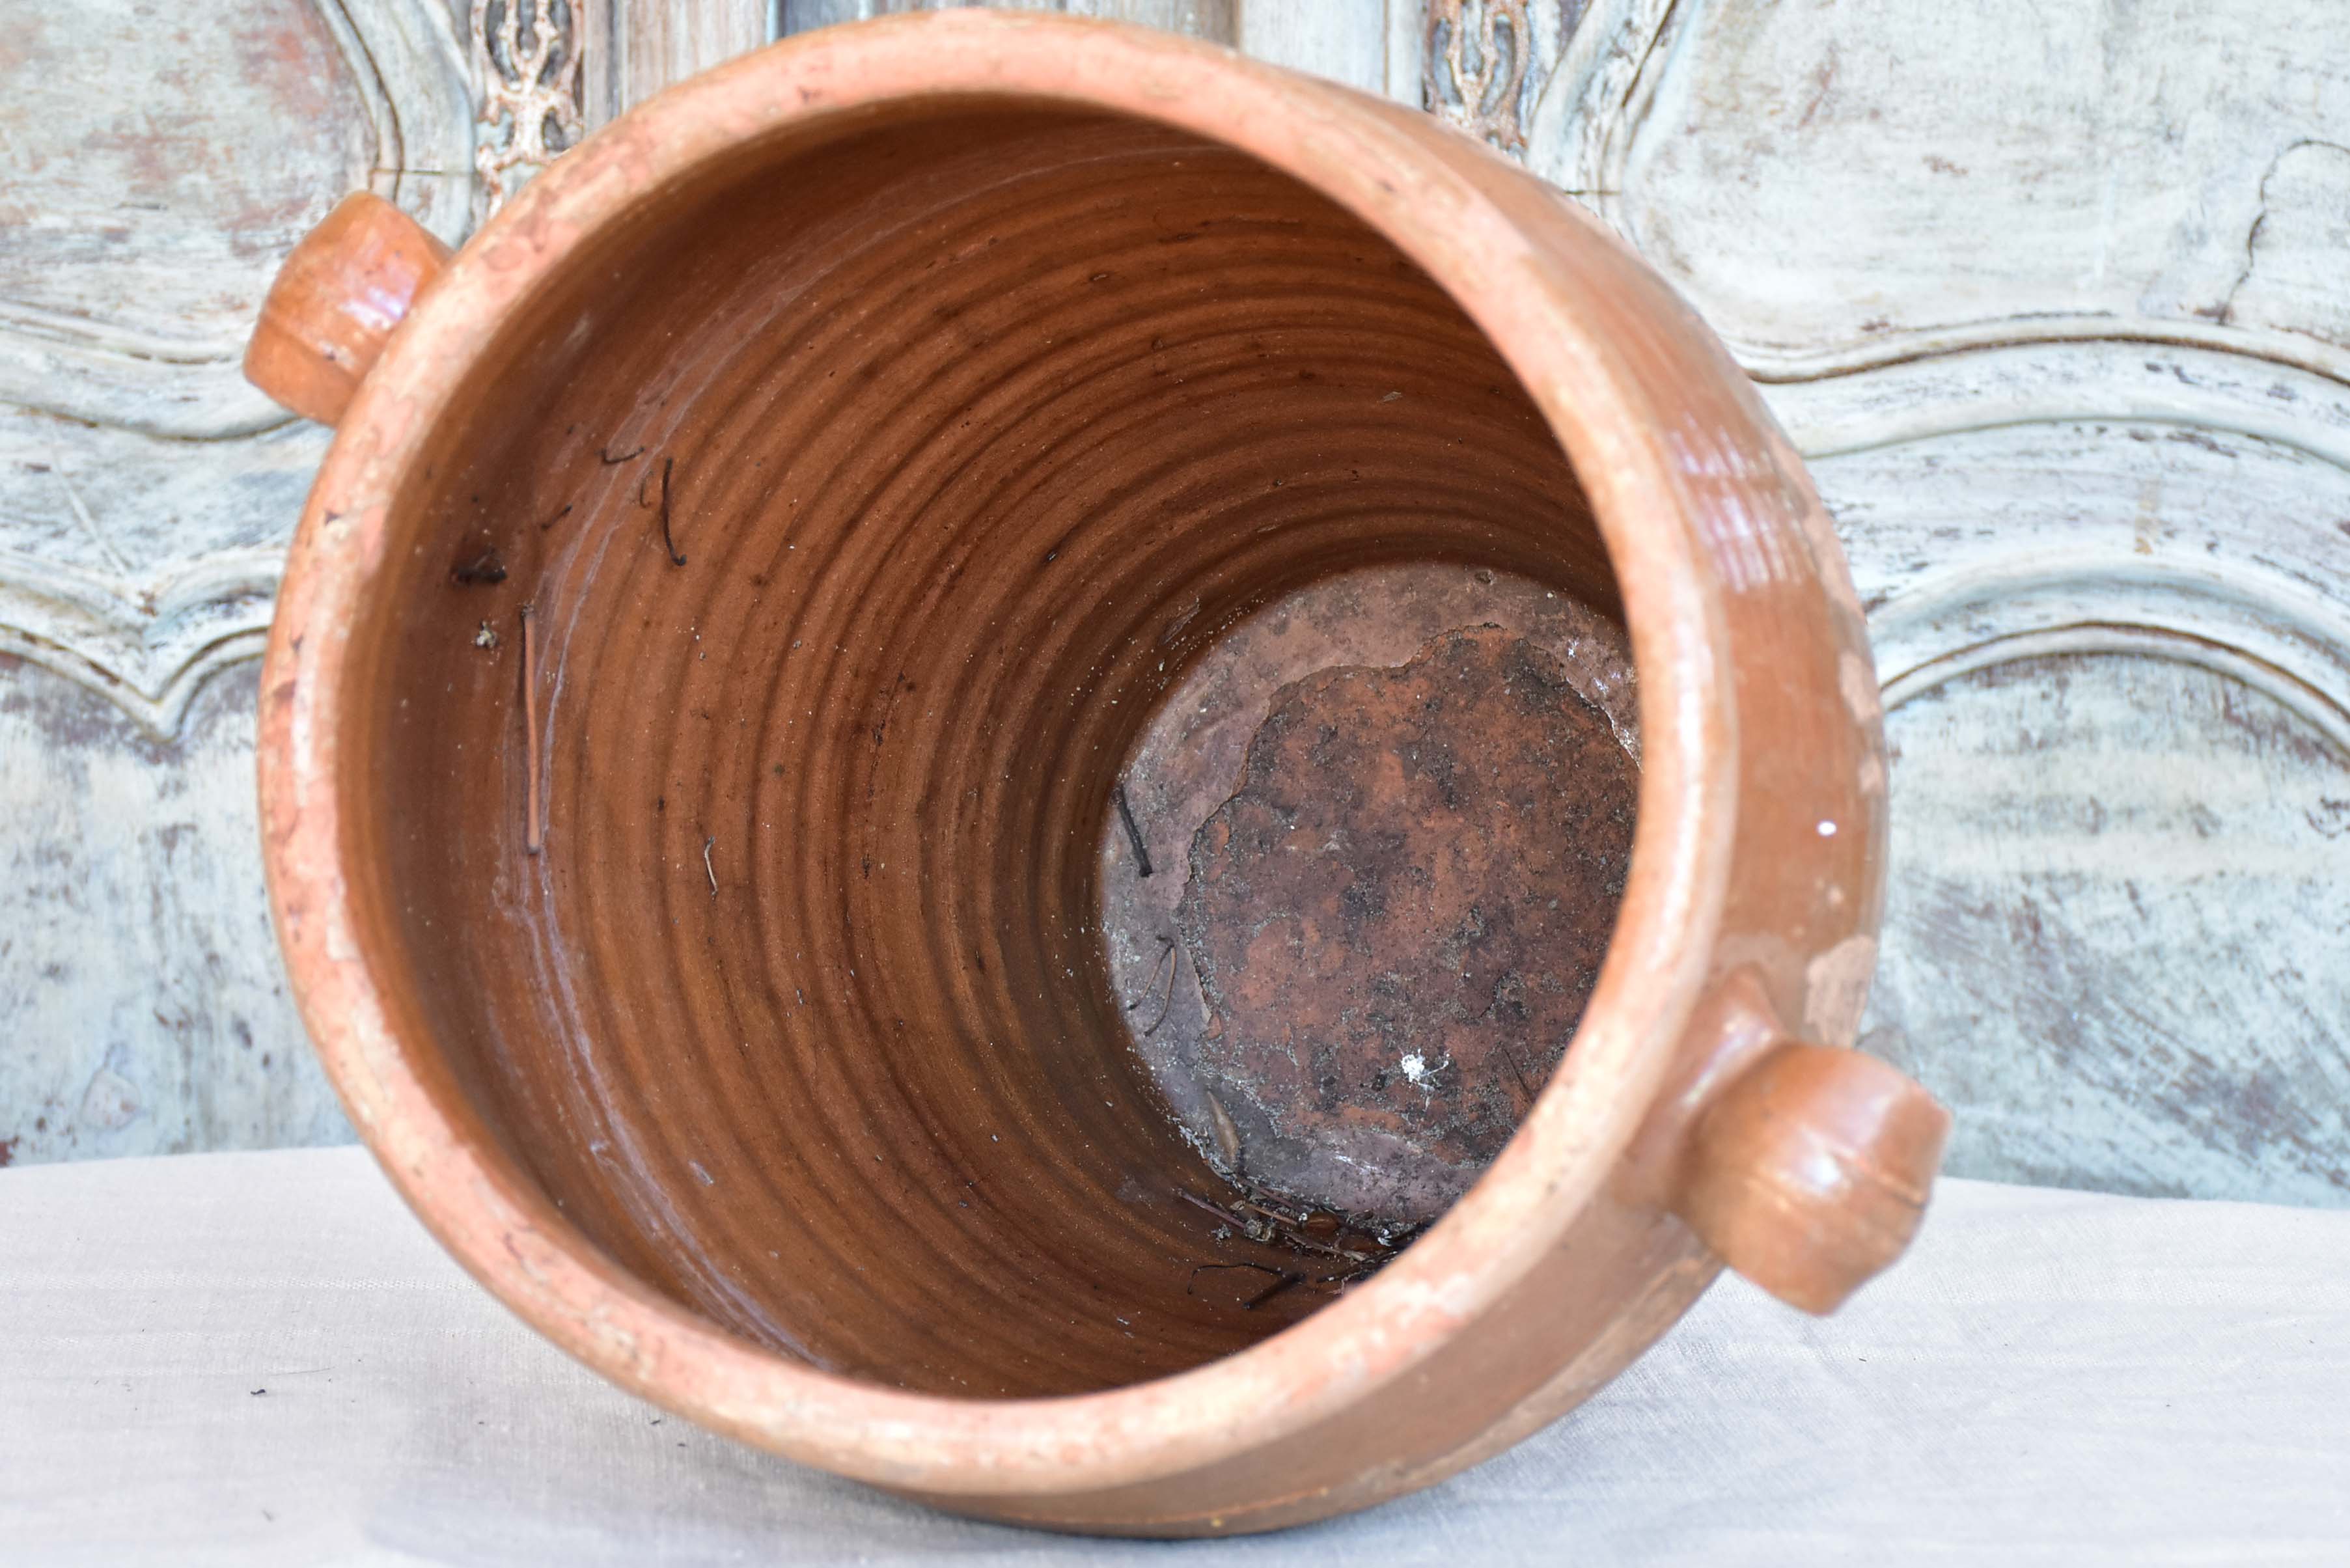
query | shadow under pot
[1080, 777]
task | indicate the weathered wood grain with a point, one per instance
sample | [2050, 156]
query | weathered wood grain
[633, 50]
[143, 1006]
[1212, 19]
[1374, 45]
[141, 220]
[2106, 181]
[2118, 936]
[156, 162]
[2116, 943]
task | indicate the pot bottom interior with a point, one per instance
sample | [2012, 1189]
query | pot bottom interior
[919, 525]
[1357, 879]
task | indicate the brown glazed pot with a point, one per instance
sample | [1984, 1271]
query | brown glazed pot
[694, 724]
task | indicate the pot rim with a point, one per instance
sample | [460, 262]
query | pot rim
[1380, 161]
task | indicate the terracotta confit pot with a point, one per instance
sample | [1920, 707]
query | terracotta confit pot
[736, 667]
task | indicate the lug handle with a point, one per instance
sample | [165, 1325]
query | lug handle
[335, 304]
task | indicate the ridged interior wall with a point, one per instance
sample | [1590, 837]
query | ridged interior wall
[974, 424]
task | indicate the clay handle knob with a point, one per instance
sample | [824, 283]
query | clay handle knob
[1809, 1174]
[335, 302]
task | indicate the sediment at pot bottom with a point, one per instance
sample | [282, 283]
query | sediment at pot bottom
[1361, 872]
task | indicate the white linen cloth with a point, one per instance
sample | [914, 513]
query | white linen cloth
[2050, 1377]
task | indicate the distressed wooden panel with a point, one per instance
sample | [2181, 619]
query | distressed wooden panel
[2112, 173]
[157, 160]
[1356, 42]
[158, 164]
[633, 48]
[154, 347]
[2119, 920]
[1374, 45]
[2119, 930]
[2062, 331]
[2052, 297]
[143, 1007]
[1212, 19]
[161, 159]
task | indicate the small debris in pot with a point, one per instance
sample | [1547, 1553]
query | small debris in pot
[1343, 1253]
[480, 570]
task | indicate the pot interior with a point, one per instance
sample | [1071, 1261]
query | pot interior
[924, 522]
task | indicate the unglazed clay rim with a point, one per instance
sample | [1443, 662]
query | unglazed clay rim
[1379, 163]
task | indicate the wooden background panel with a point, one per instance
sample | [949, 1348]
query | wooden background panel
[631, 50]
[157, 162]
[2067, 167]
[111, 317]
[2118, 931]
[143, 1006]
[2116, 937]
[1212, 19]
[1374, 45]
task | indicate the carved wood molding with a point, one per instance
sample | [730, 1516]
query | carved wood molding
[140, 548]
[201, 618]
[1477, 63]
[1643, 79]
[143, 555]
[529, 82]
[1594, 120]
[2266, 605]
